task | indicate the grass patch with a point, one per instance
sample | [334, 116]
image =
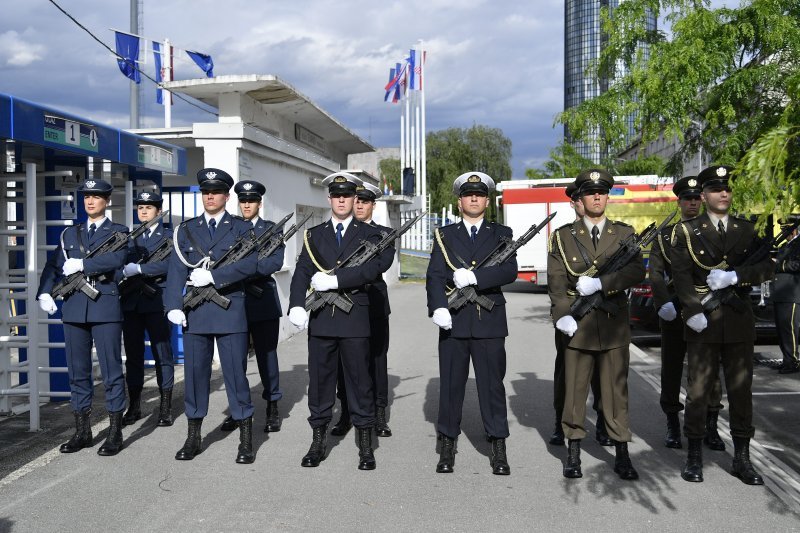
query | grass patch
[413, 267]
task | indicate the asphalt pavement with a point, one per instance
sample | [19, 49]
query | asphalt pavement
[145, 489]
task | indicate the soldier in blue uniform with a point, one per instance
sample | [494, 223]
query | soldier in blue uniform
[379, 311]
[197, 243]
[145, 312]
[471, 331]
[86, 320]
[263, 312]
[332, 333]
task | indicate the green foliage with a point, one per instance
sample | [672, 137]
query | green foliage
[564, 162]
[391, 173]
[641, 166]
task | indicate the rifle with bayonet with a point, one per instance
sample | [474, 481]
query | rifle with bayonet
[629, 249]
[141, 283]
[317, 300]
[504, 250]
[196, 296]
[274, 243]
[115, 242]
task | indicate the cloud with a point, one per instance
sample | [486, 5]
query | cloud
[17, 51]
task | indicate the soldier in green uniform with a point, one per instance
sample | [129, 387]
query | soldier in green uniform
[673, 347]
[600, 337]
[708, 253]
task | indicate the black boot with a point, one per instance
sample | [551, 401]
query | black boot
[712, 439]
[381, 427]
[83, 433]
[344, 424]
[557, 438]
[246, 454]
[693, 471]
[572, 468]
[113, 443]
[165, 408]
[601, 435]
[622, 463]
[134, 411]
[191, 447]
[742, 467]
[499, 461]
[274, 421]
[789, 367]
[229, 424]
[366, 457]
[447, 455]
[673, 437]
[316, 453]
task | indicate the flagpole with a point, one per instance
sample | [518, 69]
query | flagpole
[423, 153]
[166, 96]
[134, 110]
[402, 148]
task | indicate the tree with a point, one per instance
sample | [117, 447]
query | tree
[641, 166]
[391, 174]
[564, 162]
[725, 80]
[453, 151]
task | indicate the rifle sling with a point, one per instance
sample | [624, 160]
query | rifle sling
[581, 249]
[704, 244]
[193, 242]
[312, 253]
[79, 229]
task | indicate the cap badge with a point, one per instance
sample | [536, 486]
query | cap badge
[90, 184]
[722, 171]
[692, 183]
[594, 176]
[211, 175]
[339, 179]
[247, 186]
[474, 179]
[145, 196]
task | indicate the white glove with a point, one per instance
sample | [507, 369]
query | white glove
[587, 286]
[324, 282]
[668, 312]
[442, 318]
[463, 277]
[567, 325]
[299, 317]
[47, 304]
[177, 317]
[719, 279]
[697, 322]
[200, 277]
[72, 265]
[131, 269]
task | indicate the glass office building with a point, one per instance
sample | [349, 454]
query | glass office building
[583, 42]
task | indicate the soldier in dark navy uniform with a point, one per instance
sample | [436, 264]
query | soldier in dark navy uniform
[707, 255]
[197, 242]
[264, 312]
[332, 333]
[600, 338]
[472, 331]
[673, 347]
[146, 313]
[86, 320]
[379, 311]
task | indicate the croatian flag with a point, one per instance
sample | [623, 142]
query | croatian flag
[159, 71]
[398, 75]
[416, 70]
[389, 91]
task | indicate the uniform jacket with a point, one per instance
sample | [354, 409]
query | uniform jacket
[209, 318]
[691, 263]
[268, 307]
[471, 321]
[154, 273]
[660, 268]
[377, 290]
[786, 288]
[329, 321]
[598, 330]
[79, 308]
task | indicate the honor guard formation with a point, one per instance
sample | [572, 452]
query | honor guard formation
[212, 275]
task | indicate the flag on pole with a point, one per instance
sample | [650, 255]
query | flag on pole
[128, 49]
[203, 61]
[415, 70]
[398, 74]
[389, 91]
[159, 71]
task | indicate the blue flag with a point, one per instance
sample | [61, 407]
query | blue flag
[388, 92]
[128, 48]
[159, 75]
[203, 61]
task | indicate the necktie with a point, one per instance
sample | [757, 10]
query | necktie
[339, 229]
[473, 232]
[212, 227]
[145, 236]
[92, 229]
[595, 236]
[721, 229]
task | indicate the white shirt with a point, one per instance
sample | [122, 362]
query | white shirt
[346, 223]
[217, 217]
[97, 223]
[469, 226]
[600, 225]
[715, 221]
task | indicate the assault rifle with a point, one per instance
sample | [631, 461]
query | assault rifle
[274, 243]
[504, 250]
[628, 249]
[197, 296]
[727, 295]
[317, 300]
[78, 281]
[140, 283]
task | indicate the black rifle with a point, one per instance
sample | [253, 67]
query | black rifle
[629, 248]
[504, 250]
[141, 283]
[274, 243]
[339, 298]
[78, 281]
[727, 295]
[197, 296]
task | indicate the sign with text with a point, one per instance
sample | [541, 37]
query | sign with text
[69, 133]
[156, 158]
[309, 138]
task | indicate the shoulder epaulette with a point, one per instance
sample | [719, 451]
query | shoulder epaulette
[620, 223]
[236, 217]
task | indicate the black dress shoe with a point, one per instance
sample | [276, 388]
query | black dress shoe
[601, 435]
[447, 455]
[113, 443]
[693, 470]
[673, 436]
[229, 424]
[274, 421]
[712, 438]
[246, 455]
[742, 467]
[165, 408]
[499, 461]
[83, 433]
[343, 425]
[572, 467]
[381, 426]
[622, 463]
[366, 456]
[134, 411]
[557, 438]
[789, 368]
[316, 453]
[192, 447]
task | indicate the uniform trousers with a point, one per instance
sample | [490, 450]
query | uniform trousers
[489, 362]
[78, 339]
[199, 353]
[787, 322]
[578, 368]
[559, 387]
[378, 364]
[265, 342]
[159, 331]
[323, 359]
[737, 366]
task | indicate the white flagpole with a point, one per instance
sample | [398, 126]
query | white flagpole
[402, 148]
[420, 60]
[166, 96]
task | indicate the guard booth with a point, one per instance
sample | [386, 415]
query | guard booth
[44, 155]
